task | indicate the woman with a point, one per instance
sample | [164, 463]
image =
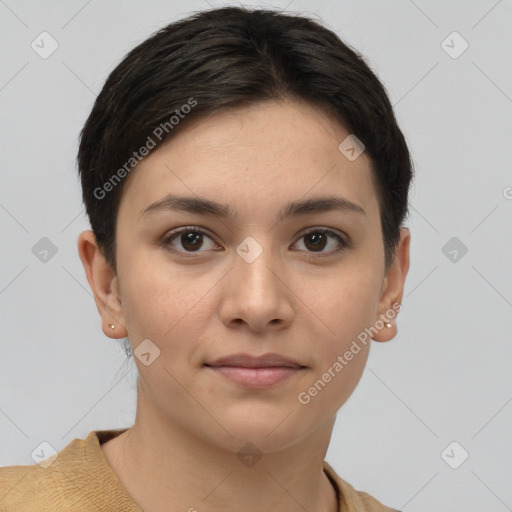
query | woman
[246, 184]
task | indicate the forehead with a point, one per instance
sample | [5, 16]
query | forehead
[253, 158]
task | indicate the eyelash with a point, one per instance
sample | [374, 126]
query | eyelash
[194, 229]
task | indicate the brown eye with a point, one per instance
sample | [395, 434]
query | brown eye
[190, 239]
[317, 240]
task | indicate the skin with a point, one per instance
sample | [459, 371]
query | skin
[195, 307]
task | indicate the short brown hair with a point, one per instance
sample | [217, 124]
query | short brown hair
[229, 57]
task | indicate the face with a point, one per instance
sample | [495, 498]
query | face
[206, 283]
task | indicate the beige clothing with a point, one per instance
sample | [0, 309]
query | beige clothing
[82, 480]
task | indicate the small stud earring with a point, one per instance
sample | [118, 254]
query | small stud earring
[388, 325]
[112, 326]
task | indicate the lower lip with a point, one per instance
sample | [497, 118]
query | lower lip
[257, 378]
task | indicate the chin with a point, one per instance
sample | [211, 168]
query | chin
[270, 433]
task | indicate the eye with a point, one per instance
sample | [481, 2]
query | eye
[317, 239]
[191, 239]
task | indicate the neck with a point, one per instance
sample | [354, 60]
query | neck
[160, 462]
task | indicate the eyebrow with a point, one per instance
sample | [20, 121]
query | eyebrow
[203, 206]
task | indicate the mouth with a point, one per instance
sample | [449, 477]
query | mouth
[256, 372]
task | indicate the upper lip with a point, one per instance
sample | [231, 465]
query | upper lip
[248, 361]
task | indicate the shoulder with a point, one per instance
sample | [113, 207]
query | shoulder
[352, 500]
[32, 488]
[76, 479]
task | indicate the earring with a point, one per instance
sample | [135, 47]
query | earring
[388, 325]
[112, 326]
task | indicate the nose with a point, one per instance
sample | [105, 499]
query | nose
[256, 294]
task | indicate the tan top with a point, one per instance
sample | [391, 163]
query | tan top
[82, 480]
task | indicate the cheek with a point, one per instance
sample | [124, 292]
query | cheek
[163, 304]
[333, 315]
[330, 388]
[342, 306]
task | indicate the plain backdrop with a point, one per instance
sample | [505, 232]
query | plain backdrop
[442, 388]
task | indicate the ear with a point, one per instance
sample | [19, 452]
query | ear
[393, 288]
[104, 285]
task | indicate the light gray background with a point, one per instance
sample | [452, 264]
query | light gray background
[445, 377]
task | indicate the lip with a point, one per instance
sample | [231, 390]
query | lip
[262, 361]
[256, 372]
